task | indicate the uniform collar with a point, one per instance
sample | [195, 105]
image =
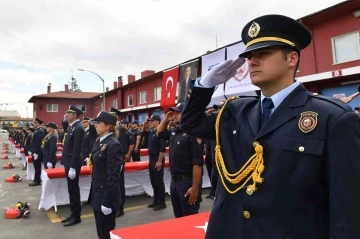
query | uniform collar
[281, 95]
[74, 122]
[103, 137]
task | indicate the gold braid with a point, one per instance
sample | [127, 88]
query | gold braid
[252, 169]
[89, 162]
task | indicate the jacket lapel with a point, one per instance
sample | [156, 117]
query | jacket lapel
[98, 145]
[254, 116]
[284, 112]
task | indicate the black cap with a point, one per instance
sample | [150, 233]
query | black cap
[154, 117]
[27, 125]
[85, 119]
[105, 117]
[37, 120]
[135, 122]
[356, 108]
[73, 109]
[51, 125]
[275, 30]
[178, 108]
[114, 111]
[31, 129]
[124, 121]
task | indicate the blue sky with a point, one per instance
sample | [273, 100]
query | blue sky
[42, 43]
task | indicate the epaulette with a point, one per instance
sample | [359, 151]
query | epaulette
[332, 100]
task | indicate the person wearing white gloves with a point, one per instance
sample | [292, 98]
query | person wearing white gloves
[106, 160]
[72, 161]
[36, 152]
[288, 159]
[49, 146]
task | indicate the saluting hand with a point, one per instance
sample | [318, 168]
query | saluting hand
[170, 115]
[193, 195]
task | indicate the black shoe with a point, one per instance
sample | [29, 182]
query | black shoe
[73, 221]
[160, 207]
[119, 213]
[34, 184]
[209, 196]
[67, 219]
[152, 205]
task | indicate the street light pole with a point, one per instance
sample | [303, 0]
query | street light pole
[102, 82]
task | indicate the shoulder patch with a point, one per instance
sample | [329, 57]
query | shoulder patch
[332, 100]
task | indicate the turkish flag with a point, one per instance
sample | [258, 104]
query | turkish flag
[169, 85]
[193, 227]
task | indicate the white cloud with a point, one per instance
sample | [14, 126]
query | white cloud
[120, 37]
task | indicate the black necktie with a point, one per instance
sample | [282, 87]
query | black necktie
[267, 105]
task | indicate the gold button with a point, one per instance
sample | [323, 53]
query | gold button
[315, 94]
[246, 214]
[301, 149]
[234, 132]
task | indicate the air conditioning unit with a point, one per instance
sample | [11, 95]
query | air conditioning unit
[356, 13]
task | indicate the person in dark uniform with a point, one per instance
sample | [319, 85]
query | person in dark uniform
[61, 134]
[107, 162]
[186, 161]
[71, 159]
[137, 137]
[85, 149]
[298, 152]
[49, 147]
[27, 144]
[126, 140]
[35, 151]
[157, 147]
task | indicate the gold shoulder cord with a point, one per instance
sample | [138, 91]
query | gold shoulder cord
[252, 169]
[89, 162]
[63, 142]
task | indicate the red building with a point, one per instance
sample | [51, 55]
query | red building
[329, 66]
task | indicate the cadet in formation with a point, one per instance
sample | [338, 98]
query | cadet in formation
[288, 160]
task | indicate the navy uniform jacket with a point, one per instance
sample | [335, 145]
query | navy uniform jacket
[126, 139]
[155, 143]
[85, 146]
[36, 141]
[310, 179]
[184, 151]
[107, 158]
[71, 154]
[49, 149]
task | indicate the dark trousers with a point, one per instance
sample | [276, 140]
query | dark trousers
[214, 178]
[209, 167]
[74, 193]
[122, 188]
[135, 156]
[104, 224]
[181, 206]
[157, 181]
[37, 167]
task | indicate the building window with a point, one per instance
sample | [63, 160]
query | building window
[52, 108]
[143, 97]
[346, 47]
[114, 103]
[130, 100]
[157, 93]
[81, 107]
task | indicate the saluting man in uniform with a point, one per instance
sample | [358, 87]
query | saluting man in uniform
[36, 152]
[71, 159]
[288, 160]
[186, 161]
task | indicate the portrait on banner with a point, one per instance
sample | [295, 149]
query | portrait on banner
[188, 72]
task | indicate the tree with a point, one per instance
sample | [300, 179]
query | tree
[74, 85]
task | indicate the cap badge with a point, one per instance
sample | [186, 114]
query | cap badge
[254, 30]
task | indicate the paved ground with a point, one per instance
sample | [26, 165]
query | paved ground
[46, 224]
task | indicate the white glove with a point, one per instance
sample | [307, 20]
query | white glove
[36, 156]
[72, 173]
[221, 73]
[106, 210]
[86, 160]
[49, 165]
[29, 153]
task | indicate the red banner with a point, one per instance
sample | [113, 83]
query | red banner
[193, 227]
[168, 91]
